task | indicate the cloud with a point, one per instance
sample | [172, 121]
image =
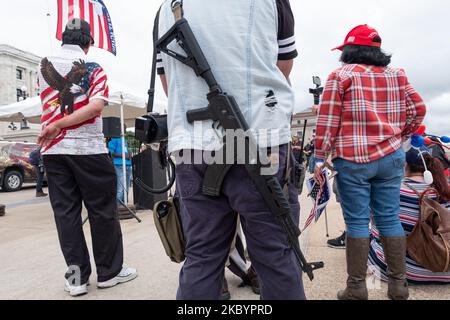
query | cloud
[438, 117]
[415, 32]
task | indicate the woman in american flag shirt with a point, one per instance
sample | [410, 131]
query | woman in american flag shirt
[410, 214]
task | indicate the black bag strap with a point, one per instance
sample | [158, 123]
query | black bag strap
[287, 174]
[412, 188]
[423, 194]
[151, 91]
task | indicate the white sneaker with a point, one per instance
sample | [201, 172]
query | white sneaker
[76, 291]
[126, 275]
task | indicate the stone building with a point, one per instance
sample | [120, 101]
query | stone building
[298, 124]
[18, 73]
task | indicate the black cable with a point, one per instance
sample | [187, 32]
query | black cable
[149, 190]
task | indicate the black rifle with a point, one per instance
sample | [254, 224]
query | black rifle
[224, 111]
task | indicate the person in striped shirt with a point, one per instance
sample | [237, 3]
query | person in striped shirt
[414, 185]
[368, 110]
[74, 93]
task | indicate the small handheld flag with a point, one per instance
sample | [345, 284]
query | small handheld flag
[320, 194]
[96, 14]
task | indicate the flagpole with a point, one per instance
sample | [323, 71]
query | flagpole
[49, 26]
[124, 165]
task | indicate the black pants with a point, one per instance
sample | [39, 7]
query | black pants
[73, 180]
[39, 179]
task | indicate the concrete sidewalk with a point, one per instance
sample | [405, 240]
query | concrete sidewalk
[33, 267]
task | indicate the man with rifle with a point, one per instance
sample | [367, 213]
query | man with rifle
[252, 59]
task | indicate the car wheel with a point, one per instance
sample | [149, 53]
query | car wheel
[13, 181]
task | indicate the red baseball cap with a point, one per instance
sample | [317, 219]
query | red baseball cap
[362, 35]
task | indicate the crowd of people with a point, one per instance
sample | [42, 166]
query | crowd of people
[369, 110]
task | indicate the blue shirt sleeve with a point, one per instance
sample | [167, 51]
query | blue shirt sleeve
[112, 146]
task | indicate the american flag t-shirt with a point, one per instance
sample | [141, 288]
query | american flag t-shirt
[96, 14]
[85, 138]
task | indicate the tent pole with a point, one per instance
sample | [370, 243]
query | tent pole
[124, 165]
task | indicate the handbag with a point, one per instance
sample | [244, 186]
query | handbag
[170, 230]
[429, 242]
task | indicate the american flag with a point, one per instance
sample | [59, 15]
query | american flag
[320, 194]
[92, 11]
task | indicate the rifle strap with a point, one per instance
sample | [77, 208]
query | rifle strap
[177, 8]
[287, 175]
[151, 91]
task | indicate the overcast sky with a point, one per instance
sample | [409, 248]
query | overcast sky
[416, 32]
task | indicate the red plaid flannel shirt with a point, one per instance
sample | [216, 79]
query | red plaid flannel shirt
[366, 113]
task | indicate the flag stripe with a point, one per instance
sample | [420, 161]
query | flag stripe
[82, 7]
[105, 35]
[71, 10]
[95, 13]
[108, 37]
[91, 22]
[60, 20]
[86, 10]
[101, 30]
[76, 9]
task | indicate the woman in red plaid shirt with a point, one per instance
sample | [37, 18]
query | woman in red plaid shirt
[368, 111]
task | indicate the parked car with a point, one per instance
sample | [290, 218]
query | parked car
[15, 169]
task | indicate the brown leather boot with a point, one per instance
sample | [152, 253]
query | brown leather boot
[357, 256]
[395, 255]
[2, 210]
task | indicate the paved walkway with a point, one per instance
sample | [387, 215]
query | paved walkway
[32, 265]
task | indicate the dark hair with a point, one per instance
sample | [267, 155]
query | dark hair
[372, 56]
[436, 168]
[76, 37]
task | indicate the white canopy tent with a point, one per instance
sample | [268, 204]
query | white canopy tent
[122, 104]
[31, 109]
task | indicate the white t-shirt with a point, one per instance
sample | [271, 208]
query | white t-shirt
[86, 138]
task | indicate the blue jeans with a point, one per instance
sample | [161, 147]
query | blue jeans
[312, 164]
[120, 193]
[371, 189]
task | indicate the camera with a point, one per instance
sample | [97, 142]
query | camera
[152, 128]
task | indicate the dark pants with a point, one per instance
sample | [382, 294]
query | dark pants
[39, 178]
[73, 180]
[209, 225]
